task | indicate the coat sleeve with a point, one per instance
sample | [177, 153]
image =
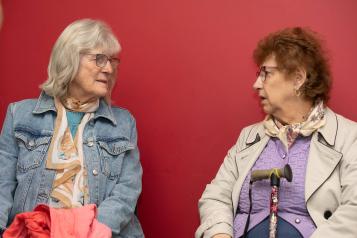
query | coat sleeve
[117, 210]
[8, 161]
[215, 205]
[343, 222]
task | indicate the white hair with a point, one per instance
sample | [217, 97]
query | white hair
[79, 37]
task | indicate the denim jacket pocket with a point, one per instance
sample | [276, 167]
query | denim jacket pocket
[32, 148]
[112, 154]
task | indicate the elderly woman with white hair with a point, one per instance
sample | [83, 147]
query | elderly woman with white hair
[71, 147]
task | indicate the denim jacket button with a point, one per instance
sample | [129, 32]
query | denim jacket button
[31, 143]
[43, 195]
[90, 142]
[95, 172]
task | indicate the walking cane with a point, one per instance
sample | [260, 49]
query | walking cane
[274, 174]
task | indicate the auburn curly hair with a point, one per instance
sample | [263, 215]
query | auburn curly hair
[294, 48]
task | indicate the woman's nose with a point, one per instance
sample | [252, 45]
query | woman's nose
[108, 68]
[258, 84]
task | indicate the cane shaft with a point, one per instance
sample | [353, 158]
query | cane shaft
[274, 199]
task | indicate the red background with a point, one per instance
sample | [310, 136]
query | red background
[186, 75]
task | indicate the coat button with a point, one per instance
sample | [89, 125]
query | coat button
[95, 172]
[327, 214]
[297, 220]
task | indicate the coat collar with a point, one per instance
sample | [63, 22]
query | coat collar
[329, 131]
[45, 103]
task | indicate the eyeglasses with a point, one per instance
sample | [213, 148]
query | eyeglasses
[263, 72]
[101, 60]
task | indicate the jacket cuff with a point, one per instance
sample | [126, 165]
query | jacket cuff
[221, 228]
[208, 229]
[2, 223]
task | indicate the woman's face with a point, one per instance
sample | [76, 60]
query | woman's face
[276, 91]
[95, 77]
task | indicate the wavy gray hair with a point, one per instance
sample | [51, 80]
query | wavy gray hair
[79, 37]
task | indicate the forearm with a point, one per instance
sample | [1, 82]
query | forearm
[215, 205]
[118, 209]
[222, 236]
[8, 161]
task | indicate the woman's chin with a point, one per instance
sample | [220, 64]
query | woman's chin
[267, 109]
[100, 93]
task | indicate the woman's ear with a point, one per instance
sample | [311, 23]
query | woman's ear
[300, 78]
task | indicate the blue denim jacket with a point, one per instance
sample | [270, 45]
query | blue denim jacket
[111, 158]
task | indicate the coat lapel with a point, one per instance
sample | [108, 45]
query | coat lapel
[245, 159]
[323, 159]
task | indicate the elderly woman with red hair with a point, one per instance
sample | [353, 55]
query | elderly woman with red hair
[293, 83]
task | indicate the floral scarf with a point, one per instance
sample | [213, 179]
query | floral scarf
[288, 133]
[66, 156]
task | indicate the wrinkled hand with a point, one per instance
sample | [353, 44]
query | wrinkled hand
[221, 236]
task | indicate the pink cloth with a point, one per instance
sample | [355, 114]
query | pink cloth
[45, 222]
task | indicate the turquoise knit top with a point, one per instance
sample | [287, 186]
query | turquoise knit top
[74, 119]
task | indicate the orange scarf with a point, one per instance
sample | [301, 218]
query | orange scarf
[66, 156]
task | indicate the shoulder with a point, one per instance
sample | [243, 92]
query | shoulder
[22, 108]
[122, 124]
[23, 119]
[346, 130]
[344, 125]
[250, 135]
[28, 104]
[117, 110]
[252, 129]
[122, 114]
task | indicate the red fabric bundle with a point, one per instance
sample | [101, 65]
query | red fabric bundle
[45, 222]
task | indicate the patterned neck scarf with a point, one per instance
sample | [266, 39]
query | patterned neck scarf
[78, 106]
[288, 133]
[66, 157]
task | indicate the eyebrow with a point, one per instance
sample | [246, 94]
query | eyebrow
[267, 66]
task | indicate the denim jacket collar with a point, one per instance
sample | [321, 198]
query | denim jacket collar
[105, 111]
[46, 103]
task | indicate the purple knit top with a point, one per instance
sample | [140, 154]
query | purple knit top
[292, 207]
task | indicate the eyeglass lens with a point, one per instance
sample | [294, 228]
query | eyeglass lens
[101, 60]
[261, 72]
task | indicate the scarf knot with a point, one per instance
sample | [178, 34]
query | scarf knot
[287, 134]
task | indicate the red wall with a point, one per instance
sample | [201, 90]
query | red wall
[186, 75]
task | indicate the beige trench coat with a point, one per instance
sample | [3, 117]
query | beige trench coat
[330, 185]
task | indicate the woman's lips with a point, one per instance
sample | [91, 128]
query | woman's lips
[102, 81]
[263, 99]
